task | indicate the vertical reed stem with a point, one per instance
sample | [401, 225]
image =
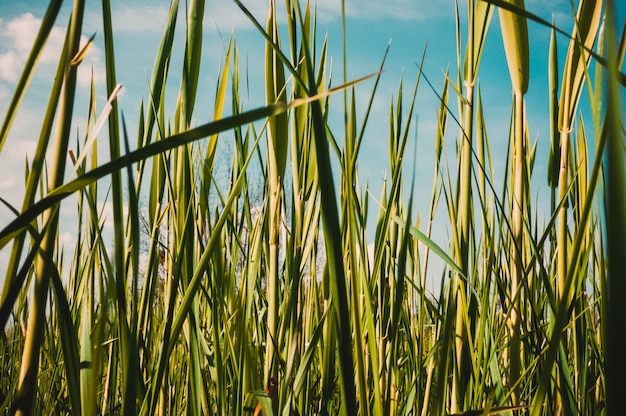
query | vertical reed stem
[27, 384]
[517, 265]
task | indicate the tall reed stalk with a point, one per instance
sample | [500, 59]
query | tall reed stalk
[516, 47]
[26, 388]
[479, 17]
[614, 208]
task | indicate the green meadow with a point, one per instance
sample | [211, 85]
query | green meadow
[274, 282]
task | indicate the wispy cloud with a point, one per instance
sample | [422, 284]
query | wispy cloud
[133, 18]
[405, 10]
[559, 9]
[67, 240]
[19, 146]
[226, 15]
[150, 18]
[7, 183]
[145, 18]
[17, 37]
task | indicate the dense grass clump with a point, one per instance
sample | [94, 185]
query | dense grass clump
[234, 298]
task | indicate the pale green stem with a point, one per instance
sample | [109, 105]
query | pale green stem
[517, 265]
[272, 281]
[562, 231]
[27, 384]
[464, 213]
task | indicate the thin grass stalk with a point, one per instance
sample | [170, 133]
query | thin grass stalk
[555, 151]
[516, 46]
[481, 157]
[304, 229]
[193, 54]
[184, 194]
[158, 253]
[384, 252]
[362, 286]
[442, 115]
[69, 340]
[27, 384]
[583, 36]
[89, 375]
[579, 345]
[159, 76]
[128, 359]
[463, 212]
[398, 302]
[351, 208]
[479, 16]
[517, 263]
[277, 135]
[487, 287]
[332, 237]
[398, 285]
[354, 220]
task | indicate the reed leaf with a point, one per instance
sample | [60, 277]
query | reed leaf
[516, 46]
[26, 389]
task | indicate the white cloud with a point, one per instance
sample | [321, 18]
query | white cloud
[22, 149]
[7, 183]
[67, 240]
[391, 9]
[20, 144]
[21, 30]
[138, 18]
[150, 17]
[226, 15]
[106, 209]
[9, 66]
[17, 37]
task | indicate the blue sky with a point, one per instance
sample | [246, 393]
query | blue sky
[371, 25]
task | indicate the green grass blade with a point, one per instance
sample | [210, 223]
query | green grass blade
[614, 208]
[27, 387]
